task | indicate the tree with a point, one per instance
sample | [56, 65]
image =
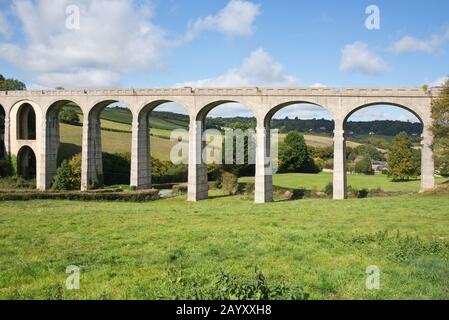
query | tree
[294, 155]
[440, 128]
[68, 175]
[69, 116]
[11, 84]
[364, 166]
[402, 162]
[240, 170]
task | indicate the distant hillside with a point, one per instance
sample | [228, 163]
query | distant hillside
[380, 127]
[171, 121]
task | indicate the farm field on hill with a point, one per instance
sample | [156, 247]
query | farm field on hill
[114, 142]
[172, 249]
[120, 141]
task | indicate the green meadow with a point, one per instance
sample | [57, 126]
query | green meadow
[172, 249]
[319, 181]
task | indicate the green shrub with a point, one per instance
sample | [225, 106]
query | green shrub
[248, 188]
[116, 168]
[167, 172]
[444, 170]
[69, 116]
[229, 287]
[294, 155]
[230, 183]
[104, 195]
[6, 168]
[362, 194]
[68, 175]
[329, 189]
[319, 164]
[364, 167]
[13, 183]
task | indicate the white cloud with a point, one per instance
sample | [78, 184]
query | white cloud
[439, 82]
[84, 77]
[318, 85]
[115, 37]
[303, 112]
[5, 29]
[431, 46]
[235, 20]
[381, 112]
[357, 57]
[258, 70]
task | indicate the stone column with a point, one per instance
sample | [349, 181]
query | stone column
[340, 185]
[92, 159]
[427, 160]
[198, 181]
[140, 154]
[40, 154]
[264, 168]
[6, 137]
[51, 146]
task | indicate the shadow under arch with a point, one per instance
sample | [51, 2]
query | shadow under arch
[146, 152]
[26, 122]
[53, 148]
[26, 163]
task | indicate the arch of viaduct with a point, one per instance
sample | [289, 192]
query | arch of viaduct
[264, 102]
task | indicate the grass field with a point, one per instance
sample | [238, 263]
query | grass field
[321, 141]
[120, 142]
[115, 142]
[161, 129]
[170, 248]
[319, 182]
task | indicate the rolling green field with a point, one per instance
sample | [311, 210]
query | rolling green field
[320, 141]
[319, 182]
[113, 142]
[171, 249]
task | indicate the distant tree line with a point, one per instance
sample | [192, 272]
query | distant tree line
[11, 84]
[7, 85]
[379, 127]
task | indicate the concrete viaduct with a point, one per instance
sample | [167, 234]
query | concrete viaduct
[32, 127]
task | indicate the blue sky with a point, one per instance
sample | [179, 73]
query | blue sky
[165, 43]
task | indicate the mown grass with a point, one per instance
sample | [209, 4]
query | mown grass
[157, 250]
[319, 182]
